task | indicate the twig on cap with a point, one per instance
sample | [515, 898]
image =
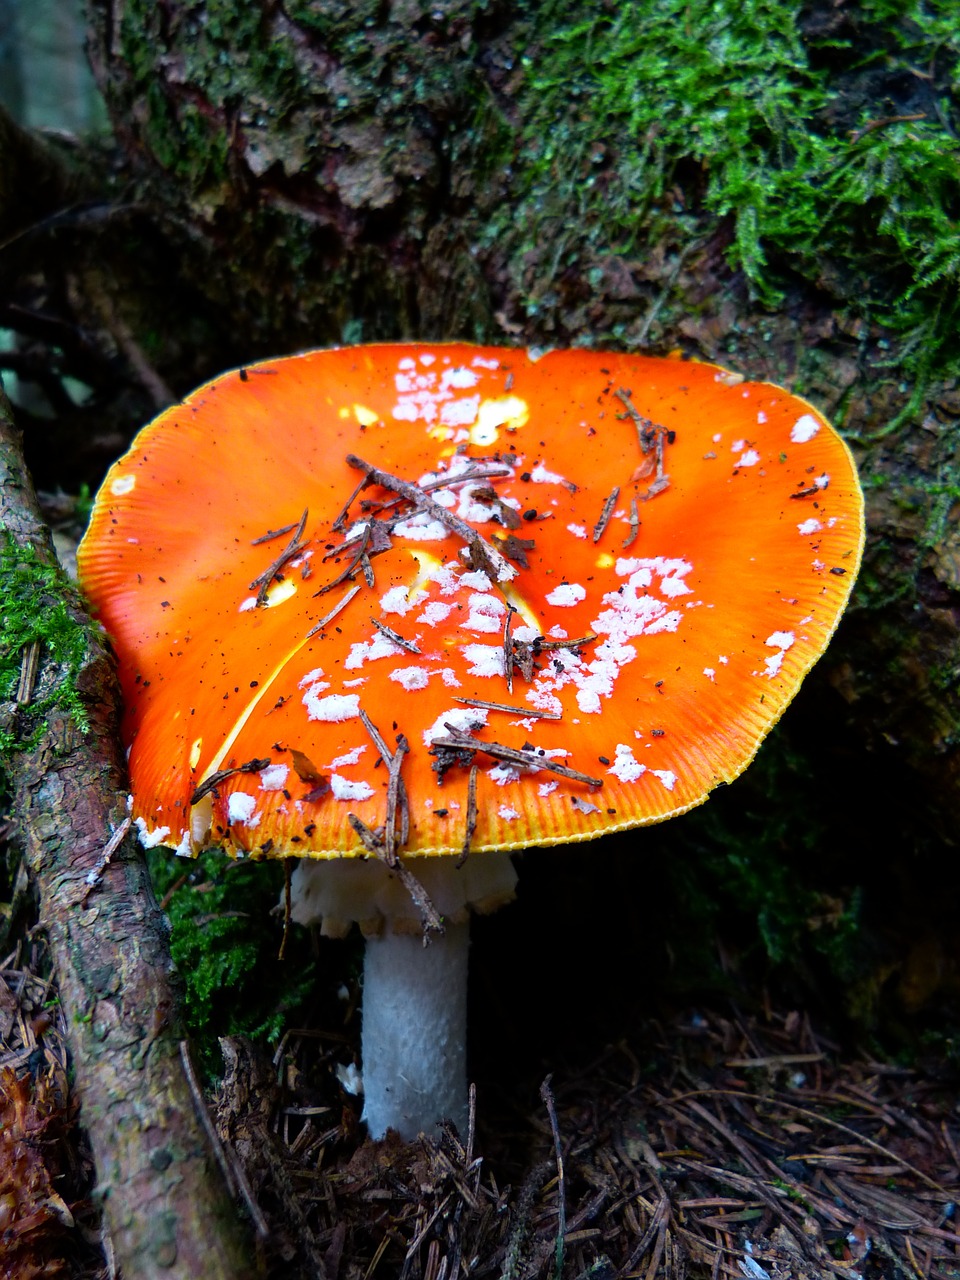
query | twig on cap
[272, 533]
[340, 521]
[395, 637]
[565, 644]
[650, 435]
[523, 712]
[397, 805]
[460, 741]
[482, 554]
[484, 471]
[606, 513]
[329, 617]
[634, 524]
[646, 427]
[221, 775]
[351, 567]
[290, 551]
[378, 740]
[471, 826]
[508, 648]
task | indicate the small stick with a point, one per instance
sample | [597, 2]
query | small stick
[472, 1124]
[662, 481]
[402, 801]
[287, 906]
[271, 534]
[394, 782]
[882, 123]
[396, 789]
[329, 617]
[529, 759]
[92, 878]
[367, 838]
[351, 567]
[339, 523]
[396, 800]
[522, 656]
[292, 549]
[29, 663]
[471, 815]
[221, 775]
[168, 896]
[483, 554]
[395, 637]
[650, 435]
[508, 648]
[432, 923]
[483, 471]
[634, 524]
[492, 471]
[645, 427]
[503, 706]
[566, 644]
[378, 740]
[233, 1174]
[546, 1093]
[606, 513]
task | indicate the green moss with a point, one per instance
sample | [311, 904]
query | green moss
[33, 610]
[744, 116]
[225, 942]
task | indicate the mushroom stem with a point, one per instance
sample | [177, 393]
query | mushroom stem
[414, 1031]
[414, 991]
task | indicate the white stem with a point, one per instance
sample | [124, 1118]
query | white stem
[414, 1032]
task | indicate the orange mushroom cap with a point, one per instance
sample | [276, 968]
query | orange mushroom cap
[701, 531]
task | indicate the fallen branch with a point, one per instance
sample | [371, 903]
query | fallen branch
[165, 1206]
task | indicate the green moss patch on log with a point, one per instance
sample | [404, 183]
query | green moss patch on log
[225, 933]
[34, 615]
[820, 143]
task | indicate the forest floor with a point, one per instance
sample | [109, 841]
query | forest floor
[704, 1141]
[709, 1144]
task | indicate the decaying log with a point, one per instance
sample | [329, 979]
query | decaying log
[166, 1209]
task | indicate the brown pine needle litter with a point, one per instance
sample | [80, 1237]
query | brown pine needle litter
[711, 1147]
[748, 1150]
[48, 1218]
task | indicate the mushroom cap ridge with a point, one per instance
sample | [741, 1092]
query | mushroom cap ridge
[709, 598]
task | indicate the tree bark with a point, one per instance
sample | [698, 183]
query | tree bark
[165, 1204]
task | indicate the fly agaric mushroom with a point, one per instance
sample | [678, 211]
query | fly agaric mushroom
[390, 609]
